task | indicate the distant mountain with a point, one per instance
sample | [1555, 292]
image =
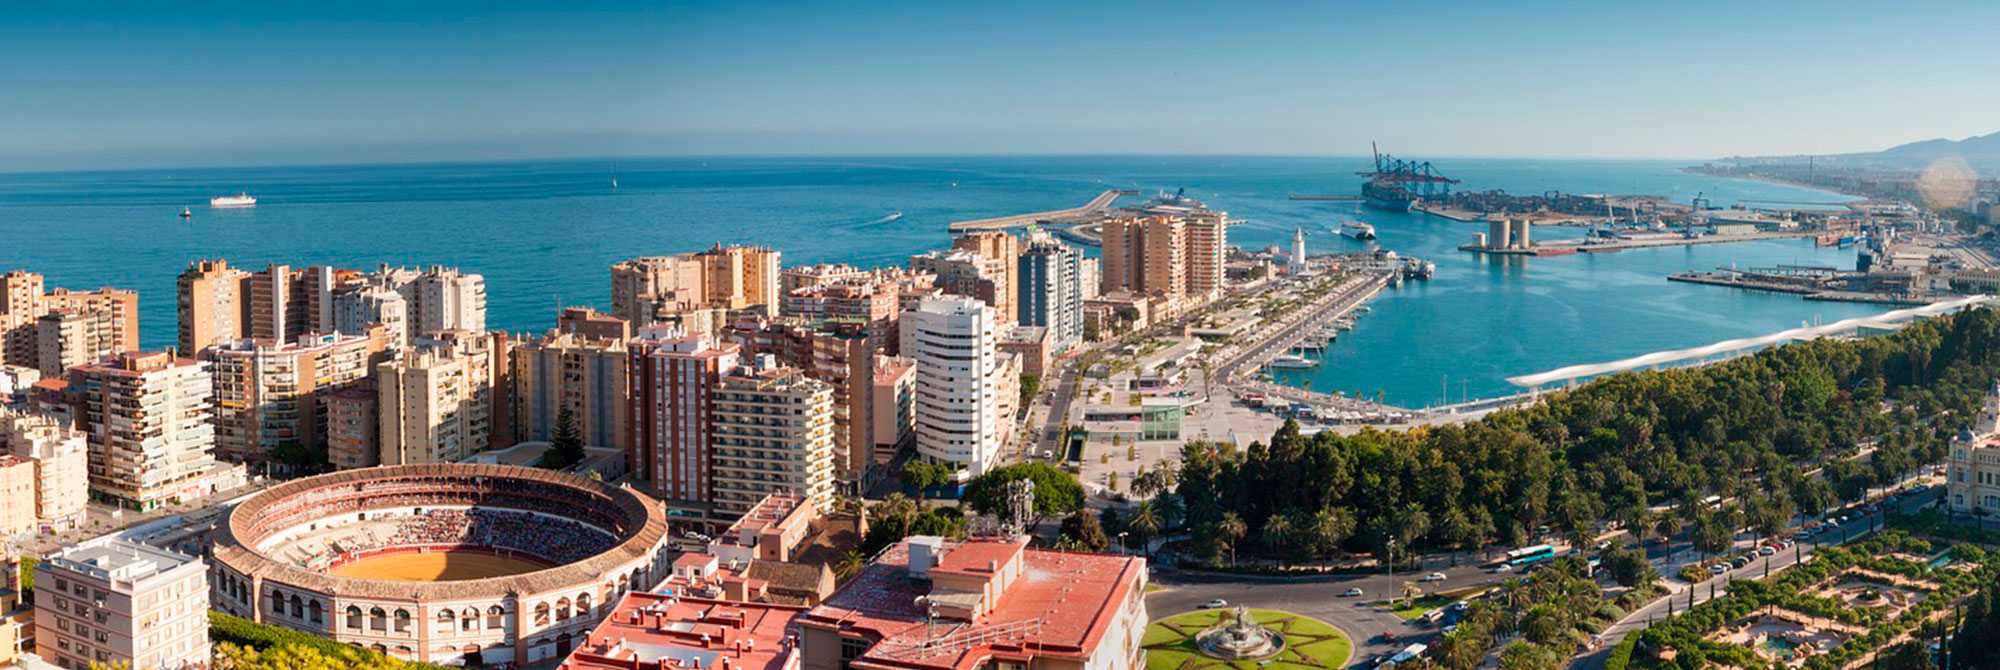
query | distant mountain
[1981, 151]
[1980, 147]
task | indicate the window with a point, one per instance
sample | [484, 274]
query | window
[495, 617]
[378, 619]
[353, 617]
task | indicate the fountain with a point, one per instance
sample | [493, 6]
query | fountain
[1238, 637]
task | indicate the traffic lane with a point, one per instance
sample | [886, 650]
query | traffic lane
[1318, 597]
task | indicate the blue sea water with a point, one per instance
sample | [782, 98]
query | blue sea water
[544, 233]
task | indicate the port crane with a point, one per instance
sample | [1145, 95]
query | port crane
[1426, 180]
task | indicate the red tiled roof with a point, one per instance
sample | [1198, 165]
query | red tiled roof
[646, 629]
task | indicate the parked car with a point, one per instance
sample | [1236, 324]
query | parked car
[1434, 577]
[1718, 569]
[1766, 551]
[1217, 603]
[1351, 592]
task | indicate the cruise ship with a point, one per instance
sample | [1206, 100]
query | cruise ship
[1357, 230]
[238, 200]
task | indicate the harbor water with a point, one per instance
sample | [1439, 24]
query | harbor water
[544, 233]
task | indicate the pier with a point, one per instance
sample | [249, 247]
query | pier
[1601, 245]
[1089, 210]
[1296, 327]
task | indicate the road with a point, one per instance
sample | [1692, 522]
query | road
[1319, 598]
[1695, 594]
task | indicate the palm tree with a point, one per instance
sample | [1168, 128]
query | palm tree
[1145, 521]
[850, 564]
[1231, 530]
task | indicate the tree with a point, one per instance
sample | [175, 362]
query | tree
[923, 476]
[1083, 531]
[1145, 522]
[1629, 567]
[1031, 386]
[1230, 531]
[1056, 492]
[850, 564]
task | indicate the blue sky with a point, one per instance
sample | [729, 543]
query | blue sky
[131, 84]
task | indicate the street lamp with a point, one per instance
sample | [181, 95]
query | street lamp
[1122, 548]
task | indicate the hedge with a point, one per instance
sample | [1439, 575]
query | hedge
[244, 632]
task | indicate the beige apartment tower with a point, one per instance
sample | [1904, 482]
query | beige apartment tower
[773, 434]
[437, 404]
[270, 397]
[647, 290]
[148, 417]
[115, 601]
[62, 465]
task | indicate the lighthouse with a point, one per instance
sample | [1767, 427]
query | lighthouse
[1298, 260]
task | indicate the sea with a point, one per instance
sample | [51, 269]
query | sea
[544, 234]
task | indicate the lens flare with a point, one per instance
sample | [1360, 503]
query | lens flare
[1947, 183]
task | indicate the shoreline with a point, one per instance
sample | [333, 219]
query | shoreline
[1696, 170]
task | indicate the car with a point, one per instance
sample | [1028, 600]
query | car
[1504, 567]
[1739, 562]
[1603, 545]
[1718, 569]
[1460, 606]
[1448, 629]
[1766, 551]
[1217, 603]
[1803, 534]
[1434, 577]
[1351, 592]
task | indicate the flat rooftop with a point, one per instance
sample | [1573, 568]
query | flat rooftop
[646, 629]
[1062, 604]
[119, 560]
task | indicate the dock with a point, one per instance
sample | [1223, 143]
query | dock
[1089, 210]
[1566, 247]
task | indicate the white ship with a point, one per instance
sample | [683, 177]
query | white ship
[238, 200]
[1357, 230]
[1291, 361]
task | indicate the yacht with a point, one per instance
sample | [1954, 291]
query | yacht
[238, 200]
[1290, 361]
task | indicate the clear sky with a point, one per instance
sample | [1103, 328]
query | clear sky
[118, 84]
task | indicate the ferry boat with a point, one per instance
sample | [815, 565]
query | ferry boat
[1357, 230]
[238, 200]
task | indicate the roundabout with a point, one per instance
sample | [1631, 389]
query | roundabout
[1244, 639]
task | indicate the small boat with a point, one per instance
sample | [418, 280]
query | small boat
[238, 200]
[187, 213]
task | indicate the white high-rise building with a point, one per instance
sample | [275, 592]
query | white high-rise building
[111, 601]
[965, 386]
[354, 311]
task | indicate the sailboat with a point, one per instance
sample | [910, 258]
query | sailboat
[614, 175]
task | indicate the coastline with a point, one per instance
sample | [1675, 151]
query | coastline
[1692, 169]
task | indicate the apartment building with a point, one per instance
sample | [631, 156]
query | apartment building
[114, 601]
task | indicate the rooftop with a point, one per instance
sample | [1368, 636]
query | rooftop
[119, 560]
[1060, 604]
[653, 631]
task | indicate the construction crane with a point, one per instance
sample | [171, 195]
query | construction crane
[1429, 182]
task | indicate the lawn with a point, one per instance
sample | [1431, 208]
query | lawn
[1310, 644]
[1425, 603]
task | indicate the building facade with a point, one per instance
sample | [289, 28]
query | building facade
[773, 434]
[117, 601]
[1145, 256]
[964, 386]
[1051, 293]
[644, 291]
[437, 404]
[149, 422]
[52, 330]
[674, 375]
[62, 465]
[1002, 249]
[584, 374]
[270, 396]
